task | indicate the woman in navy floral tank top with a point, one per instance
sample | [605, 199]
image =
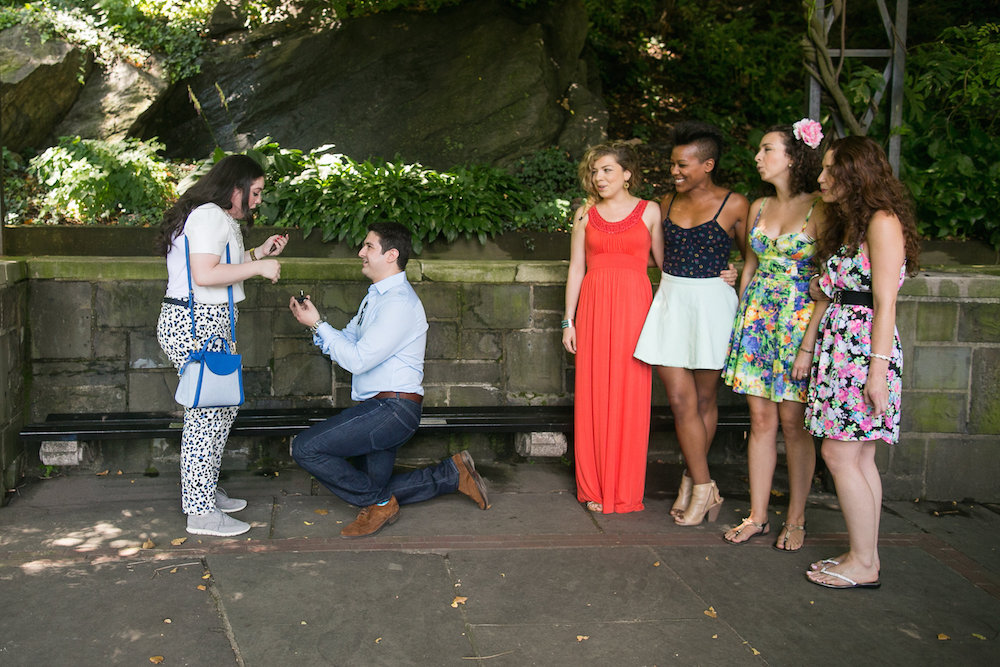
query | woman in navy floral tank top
[686, 333]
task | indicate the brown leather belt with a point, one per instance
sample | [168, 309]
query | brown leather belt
[408, 395]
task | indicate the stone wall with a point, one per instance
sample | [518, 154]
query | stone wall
[494, 339]
[13, 371]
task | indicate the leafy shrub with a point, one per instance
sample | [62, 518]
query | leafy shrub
[951, 157]
[341, 197]
[101, 181]
[127, 29]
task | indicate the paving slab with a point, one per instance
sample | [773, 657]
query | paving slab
[341, 608]
[111, 613]
[587, 604]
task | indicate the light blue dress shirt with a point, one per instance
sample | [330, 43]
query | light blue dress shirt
[383, 345]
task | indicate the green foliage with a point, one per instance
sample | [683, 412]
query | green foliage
[101, 181]
[951, 157]
[131, 30]
[341, 197]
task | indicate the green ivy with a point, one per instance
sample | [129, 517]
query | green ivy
[951, 157]
[103, 181]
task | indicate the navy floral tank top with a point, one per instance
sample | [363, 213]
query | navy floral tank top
[699, 252]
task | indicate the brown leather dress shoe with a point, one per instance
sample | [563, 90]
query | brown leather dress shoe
[469, 481]
[372, 519]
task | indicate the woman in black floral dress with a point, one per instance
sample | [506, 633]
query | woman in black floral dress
[868, 243]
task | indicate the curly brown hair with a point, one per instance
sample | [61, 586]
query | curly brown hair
[623, 153]
[805, 161]
[864, 184]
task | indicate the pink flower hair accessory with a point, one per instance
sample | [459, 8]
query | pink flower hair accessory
[808, 131]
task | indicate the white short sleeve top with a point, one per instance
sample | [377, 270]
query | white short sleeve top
[209, 229]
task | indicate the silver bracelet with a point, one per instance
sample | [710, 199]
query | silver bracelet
[880, 356]
[315, 327]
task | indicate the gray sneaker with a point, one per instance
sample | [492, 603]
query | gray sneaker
[216, 523]
[226, 504]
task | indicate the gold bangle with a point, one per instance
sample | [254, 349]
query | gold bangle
[253, 257]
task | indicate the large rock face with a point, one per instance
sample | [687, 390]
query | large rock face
[480, 82]
[39, 82]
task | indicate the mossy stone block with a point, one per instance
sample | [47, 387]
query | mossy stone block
[984, 395]
[497, 307]
[128, 304]
[442, 340]
[936, 367]
[933, 412]
[541, 272]
[549, 297]
[984, 287]
[485, 372]
[61, 317]
[979, 322]
[481, 344]
[936, 320]
[300, 369]
[441, 301]
[532, 362]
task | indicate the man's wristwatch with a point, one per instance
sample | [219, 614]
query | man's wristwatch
[315, 327]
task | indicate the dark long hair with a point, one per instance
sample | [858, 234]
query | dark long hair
[805, 161]
[864, 185]
[216, 187]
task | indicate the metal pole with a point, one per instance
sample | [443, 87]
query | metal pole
[898, 69]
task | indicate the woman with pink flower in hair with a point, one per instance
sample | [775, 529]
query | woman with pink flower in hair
[770, 351]
[868, 243]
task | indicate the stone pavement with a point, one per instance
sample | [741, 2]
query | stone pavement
[536, 580]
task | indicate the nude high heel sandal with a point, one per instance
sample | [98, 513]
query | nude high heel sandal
[705, 499]
[683, 497]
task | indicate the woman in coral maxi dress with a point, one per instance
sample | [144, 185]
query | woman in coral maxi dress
[607, 296]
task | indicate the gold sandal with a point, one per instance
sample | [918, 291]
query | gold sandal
[762, 529]
[786, 529]
[594, 506]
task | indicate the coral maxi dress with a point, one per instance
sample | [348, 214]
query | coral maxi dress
[612, 388]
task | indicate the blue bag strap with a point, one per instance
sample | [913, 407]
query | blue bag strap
[232, 317]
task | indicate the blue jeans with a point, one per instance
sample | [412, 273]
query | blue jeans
[372, 430]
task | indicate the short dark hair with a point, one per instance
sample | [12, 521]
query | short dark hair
[707, 138]
[394, 236]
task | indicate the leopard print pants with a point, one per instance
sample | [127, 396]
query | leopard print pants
[205, 429]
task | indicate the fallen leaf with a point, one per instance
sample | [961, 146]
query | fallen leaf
[459, 599]
[581, 638]
[177, 541]
[102, 474]
[378, 640]
[206, 575]
[149, 544]
[978, 636]
[715, 636]
[656, 564]
[308, 523]
[167, 620]
[156, 659]
[943, 637]
[202, 587]
[303, 623]
[322, 512]
[119, 472]
[755, 651]
[173, 571]
[711, 613]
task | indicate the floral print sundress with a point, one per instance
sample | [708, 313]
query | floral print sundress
[836, 407]
[773, 316]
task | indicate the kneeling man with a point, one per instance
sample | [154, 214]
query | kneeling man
[383, 348]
